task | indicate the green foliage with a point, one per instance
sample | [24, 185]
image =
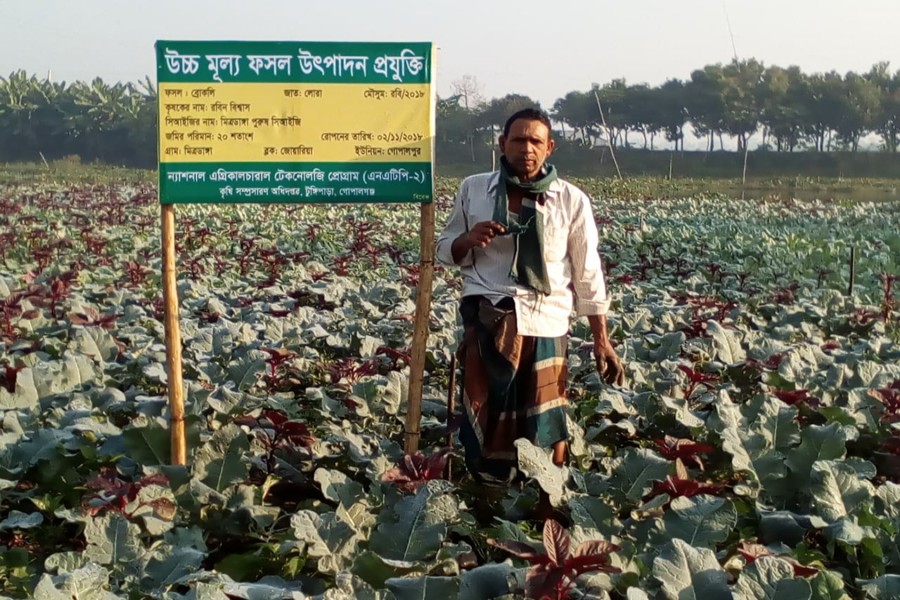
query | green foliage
[761, 406]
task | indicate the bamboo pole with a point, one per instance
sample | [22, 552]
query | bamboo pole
[420, 331]
[852, 270]
[612, 150]
[746, 155]
[451, 409]
[173, 339]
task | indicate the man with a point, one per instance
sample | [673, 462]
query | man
[526, 243]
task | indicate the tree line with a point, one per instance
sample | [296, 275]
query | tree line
[792, 110]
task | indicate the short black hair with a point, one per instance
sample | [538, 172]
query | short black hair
[529, 114]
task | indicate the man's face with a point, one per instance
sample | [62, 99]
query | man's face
[526, 147]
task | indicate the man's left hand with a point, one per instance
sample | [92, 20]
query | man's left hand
[608, 364]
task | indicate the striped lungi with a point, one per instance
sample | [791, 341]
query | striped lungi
[513, 386]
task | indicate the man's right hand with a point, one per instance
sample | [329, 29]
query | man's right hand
[479, 236]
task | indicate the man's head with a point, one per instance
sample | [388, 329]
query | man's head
[526, 142]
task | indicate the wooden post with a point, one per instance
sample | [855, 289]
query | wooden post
[420, 331]
[746, 155]
[609, 139]
[451, 409]
[173, 339]
[852, 270]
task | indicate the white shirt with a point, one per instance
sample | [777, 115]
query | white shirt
[570, 253]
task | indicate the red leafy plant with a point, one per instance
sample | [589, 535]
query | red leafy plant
[277, 357]
[697, 378]
[769, 364]
[416, 469]
[890, 399]
[797, 397]
[90, 317]
[552, 575]
[683, 450]
[682, 486]
[888, 303]
[8, 376]
[110, 493]
[277, 432]
[751, 552]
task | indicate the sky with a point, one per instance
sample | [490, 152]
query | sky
[538, 48]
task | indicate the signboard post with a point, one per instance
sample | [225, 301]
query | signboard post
[295, 122]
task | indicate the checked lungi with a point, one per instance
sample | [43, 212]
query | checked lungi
[513, 386]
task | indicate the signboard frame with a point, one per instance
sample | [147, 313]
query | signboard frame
[212, 136]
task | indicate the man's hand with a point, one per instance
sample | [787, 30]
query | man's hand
[608, 364]
[483, 233]
[479, 236]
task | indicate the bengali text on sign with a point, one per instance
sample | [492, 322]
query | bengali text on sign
[295, 122]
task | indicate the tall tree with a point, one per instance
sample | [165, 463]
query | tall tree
[887, 123]
[822, 99]
[613, 100]
[705, 102]
[782, 110]
[578, 110]
[860, 109]
[671, 104]
[740, 97]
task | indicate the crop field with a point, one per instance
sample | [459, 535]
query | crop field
[754, 451]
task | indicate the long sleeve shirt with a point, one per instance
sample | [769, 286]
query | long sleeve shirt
[570, 253]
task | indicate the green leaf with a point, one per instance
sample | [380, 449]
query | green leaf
[886, 587]
[818, 442]
[87, 583]
[96, 343]
[726, 343]
[269, 588]
[593, 513]
[536, 463]
[220, 462]
[350, 587]
[359, 516]
[60, 376]
[634, 473]
[170, 563]
[700, 521]
[20, 520]
[687, 573]
[415, 533]
[149, 445]
[669, 346]
[326, 537]
[424, 588]
[837, 490]
[888, 496]
[111, 539]
[827, 585]
[246, 371]
[25, 394]
[787, 527]
[339, 488]
[155, 508]
[65, 562]
[770, 578]
[485, 581]
[375, 570]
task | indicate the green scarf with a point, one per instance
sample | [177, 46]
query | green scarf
[528, 266]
